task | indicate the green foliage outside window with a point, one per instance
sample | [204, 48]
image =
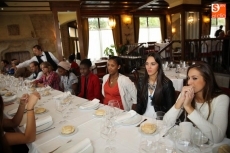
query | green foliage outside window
[151, 22]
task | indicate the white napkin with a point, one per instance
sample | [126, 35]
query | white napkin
[42, 120]
[81, 147]
[183, 76]
[125, 116]
[63, 95]
[90, 104]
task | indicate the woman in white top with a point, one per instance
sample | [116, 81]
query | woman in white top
[117, 86]
[68, 79]
[203, 102]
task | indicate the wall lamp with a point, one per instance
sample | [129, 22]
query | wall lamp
[112, 22]
[127, 21]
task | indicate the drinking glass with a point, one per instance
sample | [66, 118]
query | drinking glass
[60, 107]
[108, 132]
[203, 139]
[113, 109]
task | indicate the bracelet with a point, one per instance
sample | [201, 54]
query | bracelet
[29, 110]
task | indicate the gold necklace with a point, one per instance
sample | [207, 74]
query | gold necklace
[111, 82]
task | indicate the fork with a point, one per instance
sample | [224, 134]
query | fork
[59, 147]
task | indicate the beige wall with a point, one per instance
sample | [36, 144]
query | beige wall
[39, 26]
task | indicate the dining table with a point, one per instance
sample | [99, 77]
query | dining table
[177, 78]
[86, 123]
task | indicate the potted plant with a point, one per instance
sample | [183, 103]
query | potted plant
[121, 49]
[109, 50]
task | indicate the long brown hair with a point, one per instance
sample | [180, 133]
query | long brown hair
[211, 89]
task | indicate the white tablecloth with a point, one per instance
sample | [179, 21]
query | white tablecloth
[127, 138]
[175, 78]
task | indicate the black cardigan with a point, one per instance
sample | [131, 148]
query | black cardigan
[167, 98]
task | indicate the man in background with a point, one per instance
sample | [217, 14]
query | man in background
[218, 31]
[40, 56]
[36, 71]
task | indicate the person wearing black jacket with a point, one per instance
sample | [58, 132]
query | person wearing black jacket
[156, 91]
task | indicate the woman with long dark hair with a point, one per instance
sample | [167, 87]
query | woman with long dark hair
[117, 86]
[13, 138]
[156, 91]
[203, 102]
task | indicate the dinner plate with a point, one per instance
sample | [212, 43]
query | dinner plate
[9, 99]
[88, 108]
[67, 135]
[44, 126]
[152, 134]
[133, 120]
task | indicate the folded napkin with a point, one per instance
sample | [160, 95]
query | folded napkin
[63, 95]
[42, 120]
[183, 76]
[125, 116]
[84, 146]
[90, 104]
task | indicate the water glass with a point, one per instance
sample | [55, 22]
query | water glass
[203, 139]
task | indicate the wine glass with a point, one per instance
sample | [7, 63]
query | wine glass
[60, 107]
[203, 139]
[113, 109]
[108, 132]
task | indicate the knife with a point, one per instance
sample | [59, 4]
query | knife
[168, 131]
[44, 130]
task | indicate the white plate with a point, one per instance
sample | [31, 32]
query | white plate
[44, 126]
[71, 144]
[9, 99]
[133, 120]
[2, 92]
[154, 133]
[67, 135]
[91, 107]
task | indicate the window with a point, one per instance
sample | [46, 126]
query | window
[150, 29]
[73, 32]
[100, 37]
[215, 24]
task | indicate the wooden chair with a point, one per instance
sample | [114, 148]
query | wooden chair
[101, 69]
[136, 77]
[227, 92]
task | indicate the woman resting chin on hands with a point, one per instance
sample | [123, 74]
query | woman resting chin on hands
[30, 131]
[203, 102]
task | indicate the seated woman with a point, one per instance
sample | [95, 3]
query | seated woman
[203, 102]
[117, 86]
[156, 93]
[49, 78]
[9, 138]
[90, 83]
[68, 79]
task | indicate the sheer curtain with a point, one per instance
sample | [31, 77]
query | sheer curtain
[85, 28]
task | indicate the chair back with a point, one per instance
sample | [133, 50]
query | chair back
[101, 69]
